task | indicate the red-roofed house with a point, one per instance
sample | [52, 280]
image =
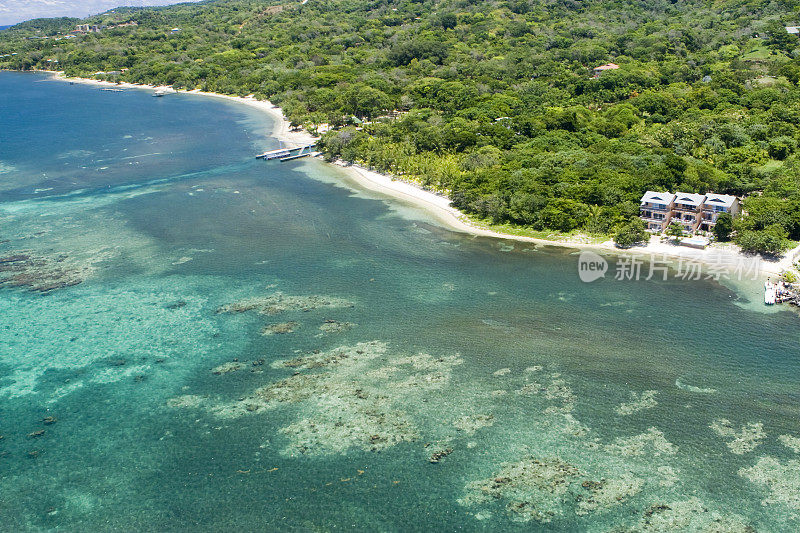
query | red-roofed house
[602, 68]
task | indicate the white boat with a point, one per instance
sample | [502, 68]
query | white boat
[769, 293]
[695, 242]
[163, 91]
[275, 154]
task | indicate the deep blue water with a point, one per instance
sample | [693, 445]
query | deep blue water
[158, 208]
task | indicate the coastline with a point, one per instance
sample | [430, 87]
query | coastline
[282, 129]
[727, 256]
[437, 205]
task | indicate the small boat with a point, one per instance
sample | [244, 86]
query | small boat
[769, 293]
[108, 89]
[305, 151]
[275, 154]
[163, 91]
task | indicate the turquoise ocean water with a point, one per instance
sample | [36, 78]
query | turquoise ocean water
[234, 344]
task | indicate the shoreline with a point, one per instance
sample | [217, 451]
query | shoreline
[726, 255]
[281, 130]
[439, 207]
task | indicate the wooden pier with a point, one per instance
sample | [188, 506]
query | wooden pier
[296, 156]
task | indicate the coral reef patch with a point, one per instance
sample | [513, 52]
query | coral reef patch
[782, 480]
[651, 443]
[793, 443]
[543, 489]
[356, 397]
[638, 402]
[227, 368]
[39, 273]
[279, 329]
[334, 326]
[689, 515]
[607, 493]
[469, 424]
[531, 488]
[746, 439]
[278, 303]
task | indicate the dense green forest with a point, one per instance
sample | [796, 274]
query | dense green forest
[495, 101]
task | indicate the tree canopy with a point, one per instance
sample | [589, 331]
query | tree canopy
[494, 102]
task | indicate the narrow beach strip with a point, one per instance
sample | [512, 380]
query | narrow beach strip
[439, 207]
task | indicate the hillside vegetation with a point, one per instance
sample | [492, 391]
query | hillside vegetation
[495, 101]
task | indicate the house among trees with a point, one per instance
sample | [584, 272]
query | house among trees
[692, 211]
[794, 30]
[88, 28]
[603, 68]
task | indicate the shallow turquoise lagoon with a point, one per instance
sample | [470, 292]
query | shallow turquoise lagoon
[232, 344]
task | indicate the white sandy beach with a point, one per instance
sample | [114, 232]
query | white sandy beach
[438, 205]
[282, 130]
[723, 255]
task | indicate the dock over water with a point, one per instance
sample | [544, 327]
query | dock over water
[288, 154]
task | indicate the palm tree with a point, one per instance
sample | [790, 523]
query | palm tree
[675, 230]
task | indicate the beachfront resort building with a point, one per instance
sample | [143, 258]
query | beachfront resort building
[693, 211]
[715, 204]
[656, 209]
[687, 210]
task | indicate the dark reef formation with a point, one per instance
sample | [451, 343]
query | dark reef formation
[38, 273]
